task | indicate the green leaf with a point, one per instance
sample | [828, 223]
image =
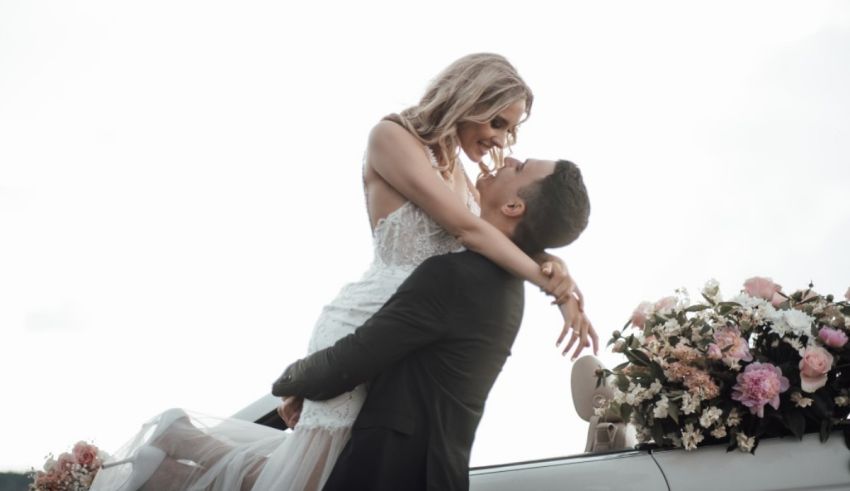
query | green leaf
[795, 422]
[657, 434]
[825, 430]
[625, 412]
[673, 411]
[697, 308]
[638, 358]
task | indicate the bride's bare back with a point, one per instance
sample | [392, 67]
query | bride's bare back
[394, 155]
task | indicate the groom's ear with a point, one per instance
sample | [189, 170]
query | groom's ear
[514, 208]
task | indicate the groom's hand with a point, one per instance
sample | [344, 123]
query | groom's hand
[290, 410]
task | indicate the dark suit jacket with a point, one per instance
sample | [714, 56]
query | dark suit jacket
[431, 354]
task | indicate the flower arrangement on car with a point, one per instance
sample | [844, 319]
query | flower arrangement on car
[763, 363]
[74, 471]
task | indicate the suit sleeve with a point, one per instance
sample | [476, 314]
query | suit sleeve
[413, 317]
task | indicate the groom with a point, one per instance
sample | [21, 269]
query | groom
[434, 350]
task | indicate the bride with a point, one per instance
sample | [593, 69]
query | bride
[420, 203]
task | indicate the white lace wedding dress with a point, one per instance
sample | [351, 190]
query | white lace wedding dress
[303, 459]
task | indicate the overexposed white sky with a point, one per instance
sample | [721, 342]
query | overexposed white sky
[180, 184]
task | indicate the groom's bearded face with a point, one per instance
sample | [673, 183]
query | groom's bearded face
[504, 186]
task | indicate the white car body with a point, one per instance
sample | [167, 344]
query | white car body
[778, 464]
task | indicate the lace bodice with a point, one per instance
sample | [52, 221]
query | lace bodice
[401, 241]
[408, 236]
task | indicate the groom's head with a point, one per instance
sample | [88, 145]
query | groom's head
[537, 203]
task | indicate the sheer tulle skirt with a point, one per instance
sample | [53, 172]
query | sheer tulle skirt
[207, 453]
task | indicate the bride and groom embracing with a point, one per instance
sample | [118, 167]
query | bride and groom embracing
[437, 323]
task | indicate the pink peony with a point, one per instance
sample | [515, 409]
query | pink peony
[777, 299]
[832, 337]
[763, 288]
[730, 340]
[714, 352]
[760, 384]
[640, 314]
[814, 367]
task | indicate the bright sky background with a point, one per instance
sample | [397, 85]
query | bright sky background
[180, 184]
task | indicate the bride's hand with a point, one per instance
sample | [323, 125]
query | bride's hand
[582, 329]
[290, 410]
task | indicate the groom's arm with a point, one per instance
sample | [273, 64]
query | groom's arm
[415, 316]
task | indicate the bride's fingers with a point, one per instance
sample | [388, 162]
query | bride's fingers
[569, 345]
[569, 315]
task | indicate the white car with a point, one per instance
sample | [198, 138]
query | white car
[612, 462]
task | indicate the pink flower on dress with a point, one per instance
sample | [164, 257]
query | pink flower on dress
[640, 314]
[814, 367]
[832, 337]
[760, 384]
[763, 288]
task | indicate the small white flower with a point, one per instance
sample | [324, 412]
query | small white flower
[671, 328]
[734, 418]
[689, 403]
[712, 290]
[745, 443]
[800, 322]
[801, 401]
[691, 437]
[710, 416]
[719, 432]
[655, 388]
[842, 401]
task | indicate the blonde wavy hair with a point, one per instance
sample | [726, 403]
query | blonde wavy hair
[473, 89]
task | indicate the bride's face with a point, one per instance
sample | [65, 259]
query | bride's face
[476, 139]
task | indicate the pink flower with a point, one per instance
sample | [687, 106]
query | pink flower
[65, 462]
[729, 346]
[640, 314]
[665, 303]
[714, 352]
[814, 367]
[86, 455]
[760, 384]
[832, 337]
[763, 288]
[777, 299]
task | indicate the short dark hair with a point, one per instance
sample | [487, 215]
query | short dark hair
[556, 210]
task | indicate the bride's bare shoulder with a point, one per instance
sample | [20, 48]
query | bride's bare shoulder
[391, 134]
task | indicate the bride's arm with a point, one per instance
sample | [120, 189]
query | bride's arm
[398, 158]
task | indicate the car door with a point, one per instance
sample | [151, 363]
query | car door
[778, 464]
[623, 470]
